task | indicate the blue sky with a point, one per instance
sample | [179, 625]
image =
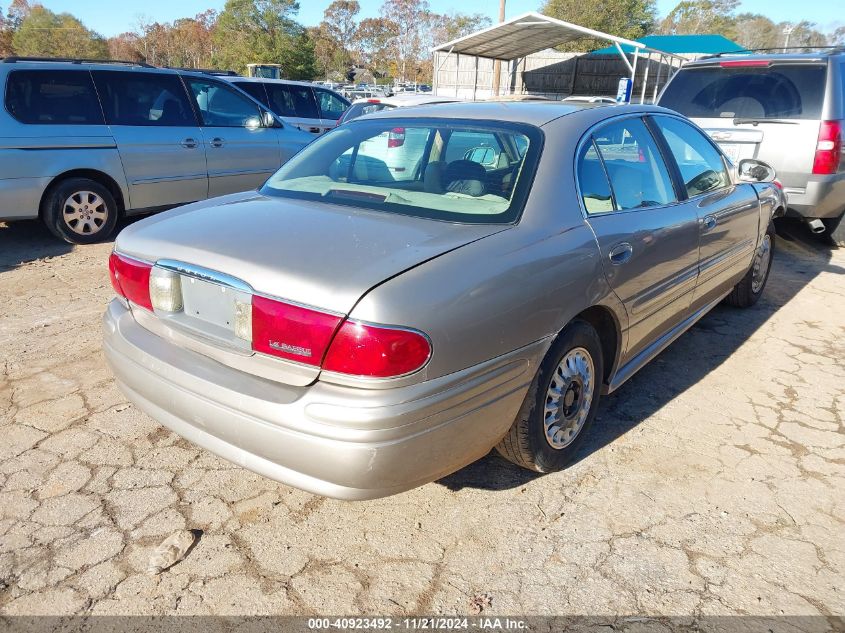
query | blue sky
[110, 18]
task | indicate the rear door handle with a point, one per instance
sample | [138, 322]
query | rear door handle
[709, 222]
[620, 253]
[314, 130]
[189, 143]
[217, 142]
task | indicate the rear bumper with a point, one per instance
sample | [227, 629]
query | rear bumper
[331, 440]
[823, 197]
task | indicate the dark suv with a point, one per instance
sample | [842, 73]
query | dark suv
[786, 109]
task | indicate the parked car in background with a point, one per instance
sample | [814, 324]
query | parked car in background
[356, 335]
[307, 106]
[785, 109]
[84, 143]
[588, 99]
[368, 105]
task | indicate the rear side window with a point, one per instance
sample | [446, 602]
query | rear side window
[149, 99]
[361, 109]
[780, 91]
[53, 97]
[292, 100]
[592, 181]
[331, 106]
[638, 175]
[255, 90]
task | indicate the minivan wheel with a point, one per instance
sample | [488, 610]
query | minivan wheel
[561, 403]
[746, 293]
[80, 211]
[835, 229]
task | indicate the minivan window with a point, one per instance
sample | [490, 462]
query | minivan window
[220, 106]
[638, 174]
[331, 106]
[254, 89]
[701, 165]
[53, 97]
[781, 91]
[292, 100]
[134, 98]
[393, 166]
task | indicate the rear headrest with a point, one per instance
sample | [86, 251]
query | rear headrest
[466, 177]
[433, 177]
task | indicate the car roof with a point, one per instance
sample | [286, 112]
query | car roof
[13, 63]
[536, 113]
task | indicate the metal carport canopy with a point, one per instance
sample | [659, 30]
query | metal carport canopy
[525, 34]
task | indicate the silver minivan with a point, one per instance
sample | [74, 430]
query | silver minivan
[84, 143]
[787, 109]
[309, 107]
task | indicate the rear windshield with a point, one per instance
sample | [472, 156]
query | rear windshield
[475, 172]
[777, 92]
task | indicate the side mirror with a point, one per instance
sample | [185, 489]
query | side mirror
[268, 120]
[753, 170]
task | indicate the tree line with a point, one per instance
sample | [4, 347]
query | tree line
[633, 19]
[396, 44]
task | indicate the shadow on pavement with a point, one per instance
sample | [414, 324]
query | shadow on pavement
[799, 258]
[27, 241]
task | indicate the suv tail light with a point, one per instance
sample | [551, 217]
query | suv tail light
[131, 279]
[746, 63]
[396, 137]
[828, 148]
[376, 351]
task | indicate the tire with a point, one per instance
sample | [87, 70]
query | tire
[80, 211]
[835, 229]
[526, 443]
[748, 291]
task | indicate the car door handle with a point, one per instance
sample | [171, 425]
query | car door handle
[314, 130]
[709, 222]
[217, 142]
[620, 253]
[189, 143]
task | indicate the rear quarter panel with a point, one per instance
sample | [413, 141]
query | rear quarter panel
[511, 289]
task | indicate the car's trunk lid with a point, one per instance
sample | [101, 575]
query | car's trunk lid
[309, 253]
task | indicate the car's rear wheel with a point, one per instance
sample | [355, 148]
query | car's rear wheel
[746, 293]
[561, 403]
[80, 211]
[836, 229]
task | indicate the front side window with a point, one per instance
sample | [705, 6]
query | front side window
[221, 106]
[701, 165]
[255, 90]
[638, 175]
[292, 100]
[331, 106]
[53, 97]
[153, 99]
[406, 166]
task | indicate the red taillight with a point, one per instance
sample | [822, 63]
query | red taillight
[778, 184]
[746, 63]
[291, 331]
[375, 351]
[828, 148]
[396, 137]
[131, 279]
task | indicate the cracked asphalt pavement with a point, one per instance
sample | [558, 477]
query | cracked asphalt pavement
[713, 481]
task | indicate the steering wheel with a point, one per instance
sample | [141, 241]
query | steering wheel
[704, 181]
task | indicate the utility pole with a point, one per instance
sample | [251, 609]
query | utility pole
[497, 65]
[787, 30]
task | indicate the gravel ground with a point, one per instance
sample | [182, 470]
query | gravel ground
[713, 483]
